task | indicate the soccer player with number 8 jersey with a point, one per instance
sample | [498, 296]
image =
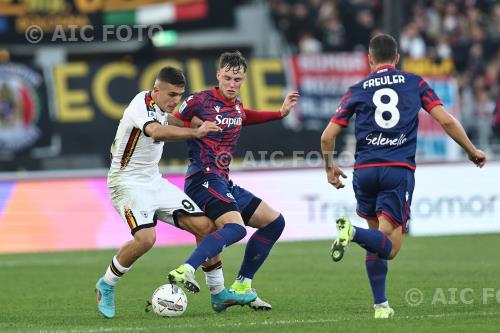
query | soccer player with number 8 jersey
[386, 104]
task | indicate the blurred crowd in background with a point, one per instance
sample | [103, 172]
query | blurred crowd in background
[467, 31]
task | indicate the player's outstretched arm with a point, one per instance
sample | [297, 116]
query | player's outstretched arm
[175, 121]
[289, 103]
[455, 130]
[333, 172]
[169, 132]
[258, 117]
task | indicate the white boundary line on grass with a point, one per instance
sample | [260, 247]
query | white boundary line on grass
[265, 323]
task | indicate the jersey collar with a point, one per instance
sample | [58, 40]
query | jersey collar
[217, 94]
[383, 67]
[152, 102]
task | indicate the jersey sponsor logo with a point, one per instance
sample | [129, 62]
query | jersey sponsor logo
[217, 108]
[237, 108]
[219, 120]
[205, 184]
[230, 196]
[381, 140]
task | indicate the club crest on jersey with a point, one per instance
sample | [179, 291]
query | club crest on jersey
[217, 108]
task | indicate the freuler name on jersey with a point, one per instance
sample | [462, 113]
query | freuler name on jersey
[384, 80]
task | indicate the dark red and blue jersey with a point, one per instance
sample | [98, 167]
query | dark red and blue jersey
[386, 105]
[213, 153]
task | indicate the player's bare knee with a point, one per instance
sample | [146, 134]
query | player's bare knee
[205, 229]
[148, 242]
[230, 217]
[146, 238]
[263, 216]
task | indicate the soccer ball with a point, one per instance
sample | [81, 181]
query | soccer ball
[169, 301]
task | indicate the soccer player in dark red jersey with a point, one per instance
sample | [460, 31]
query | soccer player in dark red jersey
[208, 183]
[386, 104]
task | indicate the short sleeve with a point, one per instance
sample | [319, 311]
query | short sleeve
[428, 97]
[141, 111]
[344, 111]
[188, 108]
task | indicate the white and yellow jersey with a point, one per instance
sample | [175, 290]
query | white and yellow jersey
[134, 155]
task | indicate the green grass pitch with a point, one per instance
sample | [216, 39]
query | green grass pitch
[458, 277]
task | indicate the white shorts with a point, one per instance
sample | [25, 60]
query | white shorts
[140, 206]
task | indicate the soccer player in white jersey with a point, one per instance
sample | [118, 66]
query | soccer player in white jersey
[137, 190]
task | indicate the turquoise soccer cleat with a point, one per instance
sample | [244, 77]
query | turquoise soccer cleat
[226, 298]
[105, 298]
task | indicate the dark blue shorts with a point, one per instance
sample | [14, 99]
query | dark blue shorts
[216, 196]
[385, 190]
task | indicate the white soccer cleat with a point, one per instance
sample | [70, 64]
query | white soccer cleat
[246, 288]
[260, 305]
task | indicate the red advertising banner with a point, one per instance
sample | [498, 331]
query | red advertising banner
[322, 79]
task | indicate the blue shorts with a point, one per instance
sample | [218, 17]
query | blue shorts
[385, 190]
[216, 196]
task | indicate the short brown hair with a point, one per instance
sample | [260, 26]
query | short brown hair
[172, 75]
[233, 60]
[383, 48]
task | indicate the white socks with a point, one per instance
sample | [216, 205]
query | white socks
[215, 281]
[114, 272]
[384, 304]
[243, 279]
[189, 267]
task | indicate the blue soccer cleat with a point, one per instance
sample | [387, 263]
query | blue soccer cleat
[226, 298]
[105, 298]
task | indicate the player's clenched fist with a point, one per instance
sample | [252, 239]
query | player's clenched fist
[205, 128]
[289, 103]
[478, 158]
